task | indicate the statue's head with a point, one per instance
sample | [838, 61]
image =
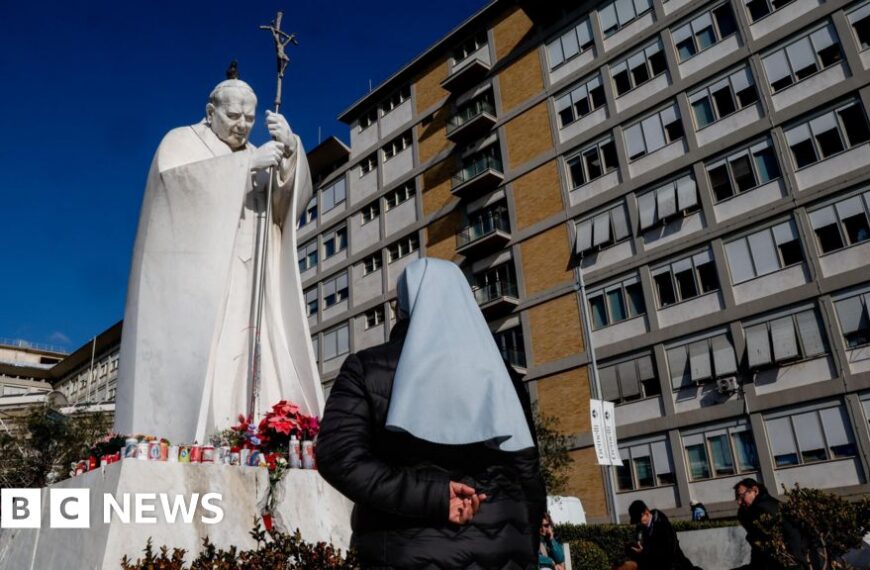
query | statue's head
[230, 112]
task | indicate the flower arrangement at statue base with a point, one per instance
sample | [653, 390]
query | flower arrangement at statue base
[283, 440]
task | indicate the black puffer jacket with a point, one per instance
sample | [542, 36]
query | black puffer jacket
[399, 483]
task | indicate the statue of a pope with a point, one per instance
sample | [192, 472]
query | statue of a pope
[185, 342]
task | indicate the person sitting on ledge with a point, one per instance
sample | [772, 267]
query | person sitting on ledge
[432, 439]
[657, 546]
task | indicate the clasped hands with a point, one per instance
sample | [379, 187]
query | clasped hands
[464, 503]
[282, 145]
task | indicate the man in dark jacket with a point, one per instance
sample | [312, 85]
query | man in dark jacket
[755, 502]
[657, 546]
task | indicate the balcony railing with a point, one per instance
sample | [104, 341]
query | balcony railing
[494, 291]
[483, 227]
[514, 357]
[477, 168]
[468, 113]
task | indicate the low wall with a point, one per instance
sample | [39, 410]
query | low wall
[716, 548]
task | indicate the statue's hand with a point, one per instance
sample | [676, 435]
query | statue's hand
[281, 132]
[267, 155]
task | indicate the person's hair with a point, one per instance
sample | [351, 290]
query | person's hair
[750, 483]
[635, 509]
[548, 518]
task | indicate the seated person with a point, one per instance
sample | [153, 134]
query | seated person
[657, 546]
[551, 554]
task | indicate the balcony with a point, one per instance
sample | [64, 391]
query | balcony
[466, 75]
[472, 121]
[483, 174]
[489, 233]
[497, 298]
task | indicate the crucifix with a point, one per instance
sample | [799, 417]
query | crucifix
[264, 217]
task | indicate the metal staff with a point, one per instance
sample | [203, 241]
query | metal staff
[264, 220]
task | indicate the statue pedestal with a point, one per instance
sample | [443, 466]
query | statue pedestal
[305, 502]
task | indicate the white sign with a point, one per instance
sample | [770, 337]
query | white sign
[596, 411]
[610, 432]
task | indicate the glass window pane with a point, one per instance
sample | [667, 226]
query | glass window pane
[765, 162]
[599, 312]
[723, 462]
[747, 455]
[636, 305]
[697, 458]
[741, 168]
[616, 305]
[703, 112]
[644, 472]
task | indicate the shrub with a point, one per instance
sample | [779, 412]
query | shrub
[586, 555]
[277, 551]
[553, 446]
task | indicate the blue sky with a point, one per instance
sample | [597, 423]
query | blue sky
[90, 87]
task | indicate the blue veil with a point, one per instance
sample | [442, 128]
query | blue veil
[451, 385]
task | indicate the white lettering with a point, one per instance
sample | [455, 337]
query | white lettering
[110, 504]
[216, 509]
[142, 508]
[170, 512]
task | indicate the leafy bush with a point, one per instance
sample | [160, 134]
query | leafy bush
[829, 526]
[586, 555]
[553, 446]
[276, 551]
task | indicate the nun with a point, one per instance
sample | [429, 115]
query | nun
[431, 437]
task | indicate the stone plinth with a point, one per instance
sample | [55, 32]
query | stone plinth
[304, 501]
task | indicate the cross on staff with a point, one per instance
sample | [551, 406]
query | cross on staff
[281, 39]
[264, 219]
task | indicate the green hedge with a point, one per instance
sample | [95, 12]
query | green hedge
[586, 555]
[612, 538]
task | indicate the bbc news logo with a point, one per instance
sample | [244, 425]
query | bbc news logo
[71, 508]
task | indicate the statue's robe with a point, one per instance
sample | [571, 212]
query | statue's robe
[185, 342]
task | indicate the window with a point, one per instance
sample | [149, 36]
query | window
[810, 436]
[401, 194]
[860, 20]
[602, 230]
[469, 46]
[616, 15]
[842, 224]
[723, 97]
[616, 302]
[653, 132]
[743, 170]
[704, 31]
[763, 252]
[336, 342]
[644, 465]
[580, 101]
[761, 8]
[685, 279]
[402, 248]
[478, 162]
[310, 213]
[473, 108]
[854, 316]
[510, 344]
[370, 212]
[632, 379]
[372, 263]
[315, 346]
[334, 242]
[591, 163]
[396, 146]
[368, 164]
[828, 134]
[802, 58]
[335, 290]
[311, 302]
[369, 119]
[307, 255]
[638, 68]
[374, 317]
[783, 339]
[659, 206]
[701, 360]
[333, 195]
[396, 99]
[570, 44]
[720, 452]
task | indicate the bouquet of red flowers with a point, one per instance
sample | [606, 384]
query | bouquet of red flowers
[281, 422]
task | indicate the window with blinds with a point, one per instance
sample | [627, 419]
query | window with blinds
[616, 302]
[333, 195]
[704, 31]
[720, 451]
[654, 132]
[685, 279]
[827, 134]
[664, 203]
[763, 252]
[615, 15]
[842, 224]
[602, 230]
[335, 290]
[629, 380]
[743, 170]
[336, 342]
[761, 8]
[645, 465]
[701, 361]
[854, 316]
[591, 163]
[809, 436]
[860, 21]
[311, 301]
[307, 255]
[570, 44]
[783, 339]
[802, 58]
[579, 101]
[638, 68]
[723, 97]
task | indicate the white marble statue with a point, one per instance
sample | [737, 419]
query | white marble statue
[184, 348]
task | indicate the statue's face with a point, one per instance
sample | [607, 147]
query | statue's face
[232, 117]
